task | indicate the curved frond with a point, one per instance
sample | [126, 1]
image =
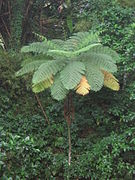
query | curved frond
[38, 57]
[58, 43]
[103, 50]
[94, 76]
[30, 67]
[80, 40]
[102, 61]
[61, 52]
[36, 47]
[36, 88]
[46, 70]
[83, 87]
[58, 91]
[76, 44]
[71, 75]
[40, 47]
[110, 81]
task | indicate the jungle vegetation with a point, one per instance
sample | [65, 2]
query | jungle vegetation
[57, 118]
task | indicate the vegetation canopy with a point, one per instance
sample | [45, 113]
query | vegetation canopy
[80, 63]
[96, 130]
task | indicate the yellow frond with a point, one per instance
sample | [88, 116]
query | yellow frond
[42, 85]
[110, 81]
[83, 87]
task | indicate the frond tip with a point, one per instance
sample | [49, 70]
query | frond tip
[83, 87]
[71, 75]
[58, 91]
[36, 88]
[110, 81]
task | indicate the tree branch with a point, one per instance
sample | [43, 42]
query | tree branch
[6, 27]
[44, 113]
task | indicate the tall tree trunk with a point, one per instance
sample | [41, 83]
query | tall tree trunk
[17, 15]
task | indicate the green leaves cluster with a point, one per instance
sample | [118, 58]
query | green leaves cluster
[82, 54]
[103, 140]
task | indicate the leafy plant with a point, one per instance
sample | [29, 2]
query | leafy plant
[82, 55]
[80, 63]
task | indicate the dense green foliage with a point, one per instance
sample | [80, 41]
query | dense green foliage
[103, 133]
[81, 55]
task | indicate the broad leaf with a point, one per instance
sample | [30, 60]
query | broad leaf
[46, 70]
[83, 88]
[72, 74]
[42, 85]
[58, 91]
[94, 76]
[103, 61]
[30, 67]
[110, 81]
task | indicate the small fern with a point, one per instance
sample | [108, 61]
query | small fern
[80, 63]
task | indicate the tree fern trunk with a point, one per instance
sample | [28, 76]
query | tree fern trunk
[69, 115]
[69, 142]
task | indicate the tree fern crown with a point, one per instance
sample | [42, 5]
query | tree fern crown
[78, 61]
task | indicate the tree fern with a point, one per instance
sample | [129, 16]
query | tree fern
[79, 63]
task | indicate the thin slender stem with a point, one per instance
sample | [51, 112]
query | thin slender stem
[6, 27]
[69, 142]
[44, 113]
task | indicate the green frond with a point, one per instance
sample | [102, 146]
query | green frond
[82, 55]
[71, 74]
[58, 43]
[58, 91]
[36, 88]
[33, 58]
[30, 67]
[76, 44]
[105, 50]
[40, 47]
[46, 70]
[70, 54]
[103, 61]
[36, 47]
[94, 76]
[80, 40]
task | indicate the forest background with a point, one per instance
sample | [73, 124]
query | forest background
[103, 131]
